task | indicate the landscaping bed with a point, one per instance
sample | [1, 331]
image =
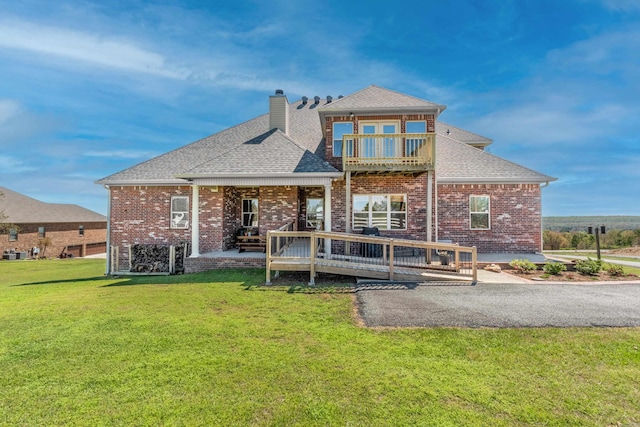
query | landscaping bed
[574, 271]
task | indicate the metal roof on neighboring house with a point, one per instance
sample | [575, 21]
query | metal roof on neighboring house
[21, 209]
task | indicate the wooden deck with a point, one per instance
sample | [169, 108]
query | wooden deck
[368, 257]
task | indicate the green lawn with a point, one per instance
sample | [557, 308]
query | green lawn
[217, 348]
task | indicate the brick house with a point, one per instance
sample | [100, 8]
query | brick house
[71, 229]
[375, 158]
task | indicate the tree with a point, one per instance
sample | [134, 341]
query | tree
[5, 225]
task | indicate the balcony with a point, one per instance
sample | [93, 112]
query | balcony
[378, 153]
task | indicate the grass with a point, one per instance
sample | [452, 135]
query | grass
[217, 348]
[627, 269]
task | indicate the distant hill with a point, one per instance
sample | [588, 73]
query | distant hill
[580, 223]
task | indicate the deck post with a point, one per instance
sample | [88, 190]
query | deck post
[474, 263]
[268, 260]
[457, 255]
[327, 218]
[429, 212]
[312, 259]
[391, 260]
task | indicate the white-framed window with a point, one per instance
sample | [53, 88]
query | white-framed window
[41, 233]
[339, 130]
[179, 212]
[379, 147]
[13, 235]
[384, 211]
[479, 208]
[315, 212]
[412, 145]
[81, 230]
[250, 212]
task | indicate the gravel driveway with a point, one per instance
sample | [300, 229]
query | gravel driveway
[502, 305]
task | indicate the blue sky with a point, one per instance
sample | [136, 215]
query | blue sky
[88, 88]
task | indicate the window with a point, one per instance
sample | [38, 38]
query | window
[385, 211]
[339, 130]
[179, 212]
[479, 212]
[315, 212]
[250, 213]
[377, 147]
[41, 233]
[13, 235]
[413, 144]
[81, 230]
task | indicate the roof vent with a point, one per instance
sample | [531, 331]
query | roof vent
[304, 100]
[329, 99]
[316, 99]
[279, 92]
[448, 131]
[340, 96]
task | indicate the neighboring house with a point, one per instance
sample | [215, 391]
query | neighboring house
[71, 229]
[375, 158]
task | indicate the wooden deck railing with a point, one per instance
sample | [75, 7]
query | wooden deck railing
[368, 256]
[388, 152]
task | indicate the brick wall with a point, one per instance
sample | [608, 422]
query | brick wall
[62, 235]
[414, 187]
[141, 214]
[402, 118]
[515, 217]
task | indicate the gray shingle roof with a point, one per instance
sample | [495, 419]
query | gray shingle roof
[459, 162]
[21, 209]
[375, 97]
[250, 148]
[461, 135]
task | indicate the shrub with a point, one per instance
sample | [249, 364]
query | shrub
[614, 270]
[522, 265]
[554, 268]
[588, 267]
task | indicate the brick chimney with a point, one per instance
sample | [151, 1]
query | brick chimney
[279, 111]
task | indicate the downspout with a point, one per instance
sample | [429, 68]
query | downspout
[541, 230]
[435, 210]
[108, 265]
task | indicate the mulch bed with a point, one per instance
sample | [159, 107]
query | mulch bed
[574, 276]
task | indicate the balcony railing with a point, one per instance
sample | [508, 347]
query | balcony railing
[410, 152]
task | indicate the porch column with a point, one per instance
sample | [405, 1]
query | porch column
[347, 203]
[429, 206]
[327, 217]
[195, 221]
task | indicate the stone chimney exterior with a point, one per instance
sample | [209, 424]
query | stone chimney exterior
[279, 111]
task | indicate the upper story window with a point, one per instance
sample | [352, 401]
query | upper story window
[339, 130]
[479, 212]
[81, 230]
[41, 233]
[413, 145]
[179, 212]
[250, 213]
[13, 235]
[379, 147]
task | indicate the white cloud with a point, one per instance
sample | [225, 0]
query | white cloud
[9, 164]
[122, 154]
[85, 47]
[8, 110]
